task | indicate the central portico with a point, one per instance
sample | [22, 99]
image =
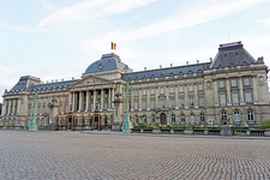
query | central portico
[92, 98]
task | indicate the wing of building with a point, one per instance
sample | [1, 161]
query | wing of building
[230, 89]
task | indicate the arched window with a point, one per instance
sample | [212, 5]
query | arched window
[173, 118]
[251, 116]
[163, 119]
[202, 117]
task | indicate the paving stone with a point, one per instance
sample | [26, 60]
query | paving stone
[78, 156]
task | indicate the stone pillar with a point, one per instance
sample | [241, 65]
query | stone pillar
[216, 93]
[156, 98]
[113, 97]
[196, 98]
[80, 101]
[148, 95]
[140, 99]
[228, 88]
[176, 89]
[186, 96]
[4, 108]
[11, 107]
[94, 100]
[70, 102]
[167, 99]
[241, 92]
[102, 99]
[73, 101]
[18, 112]
[14, 106]
[110, 99]
[87, 101]
[255, 90]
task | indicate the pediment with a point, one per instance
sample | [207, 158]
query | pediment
[90, 81]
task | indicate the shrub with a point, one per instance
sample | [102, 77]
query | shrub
[266, 124]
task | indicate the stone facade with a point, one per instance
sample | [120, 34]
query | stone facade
[231, 89]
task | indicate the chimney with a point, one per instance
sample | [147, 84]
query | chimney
[187, 63]
[145, 68]
[171, 65]
[160, 66]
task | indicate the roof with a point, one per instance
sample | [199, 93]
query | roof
[52, 87]
[188, 70]
[22, 87]
[232, 55]
[108, 62]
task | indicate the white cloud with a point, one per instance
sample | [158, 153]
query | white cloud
[265, 21]
[203, 13]
[91, 9]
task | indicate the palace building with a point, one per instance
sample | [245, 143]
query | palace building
[231, 89]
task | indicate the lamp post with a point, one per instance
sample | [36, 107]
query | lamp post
[32, 122]
[127, 125]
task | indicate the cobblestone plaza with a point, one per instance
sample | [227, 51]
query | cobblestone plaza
[75, 155]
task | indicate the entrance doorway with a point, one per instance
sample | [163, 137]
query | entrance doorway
[69, 124]
[163, 119]
[97, 122]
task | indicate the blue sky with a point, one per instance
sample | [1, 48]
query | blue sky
[59, 39]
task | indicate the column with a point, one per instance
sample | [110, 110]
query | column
[241, 92]
[132, 100]
[255, 90]
[11, 107]
[8, 107]
[113, 97]
[18, 112]
[167, 94]
[176, 97]
[70, 102]
[4, 108]
[87, 101]
[156, 99]
[228, 88]
[216, 93]
[14, 106]
[196, 102]
[80, 101]
[110, 99]
[148, 102]
[186, 96]
[94, 100]
[140, 99]
[102, 99]
[73, 101]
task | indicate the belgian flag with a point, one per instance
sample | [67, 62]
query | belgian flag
[113, 46]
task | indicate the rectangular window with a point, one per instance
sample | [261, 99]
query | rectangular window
[181, 99]
[248, 96]
[234, 83]
[172, 99]
[153, 101]
[221, 84]
[222, 99]
[201, 101]
[144, 101]
[235, 98]
[247, 82]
